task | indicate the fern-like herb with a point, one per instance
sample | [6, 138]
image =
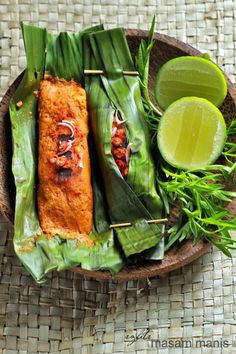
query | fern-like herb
[200, 194]
[229, 151]
[142, 61]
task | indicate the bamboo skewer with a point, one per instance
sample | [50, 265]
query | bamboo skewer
[154, 221]
[100, 72]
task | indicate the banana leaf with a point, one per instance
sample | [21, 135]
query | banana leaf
[58, 55]
[135, 200]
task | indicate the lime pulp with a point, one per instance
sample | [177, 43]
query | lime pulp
[191, 133]
[189, 76]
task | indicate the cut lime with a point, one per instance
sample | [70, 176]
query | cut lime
[191, 133]
[189, 76]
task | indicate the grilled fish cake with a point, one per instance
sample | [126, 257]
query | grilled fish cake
[65, 200]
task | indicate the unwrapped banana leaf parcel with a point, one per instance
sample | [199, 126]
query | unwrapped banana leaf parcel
[59, 56]
[123, 143]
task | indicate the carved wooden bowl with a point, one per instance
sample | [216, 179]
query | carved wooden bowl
[165, 48]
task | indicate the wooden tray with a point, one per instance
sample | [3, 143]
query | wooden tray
[165, 48]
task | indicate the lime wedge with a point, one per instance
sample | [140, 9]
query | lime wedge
[191, 133]
[189, 76]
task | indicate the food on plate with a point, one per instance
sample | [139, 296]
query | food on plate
[189, 76]
[191, 133]
[138, 204]
[65, 200]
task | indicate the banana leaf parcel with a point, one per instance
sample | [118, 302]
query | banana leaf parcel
[61, 56]
[135, 199]
[115, 200]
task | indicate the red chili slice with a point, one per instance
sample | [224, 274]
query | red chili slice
[121, 164]
[120, 133]
[125, 172]
[119, 153]
[116, 141]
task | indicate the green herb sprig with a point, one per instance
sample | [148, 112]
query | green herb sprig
[142, 61]
[229, 151]
[201, 196]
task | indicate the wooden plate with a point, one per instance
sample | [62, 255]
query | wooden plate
[165, 48]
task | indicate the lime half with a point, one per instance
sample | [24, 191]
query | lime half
[191, 133]
[189, 76]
